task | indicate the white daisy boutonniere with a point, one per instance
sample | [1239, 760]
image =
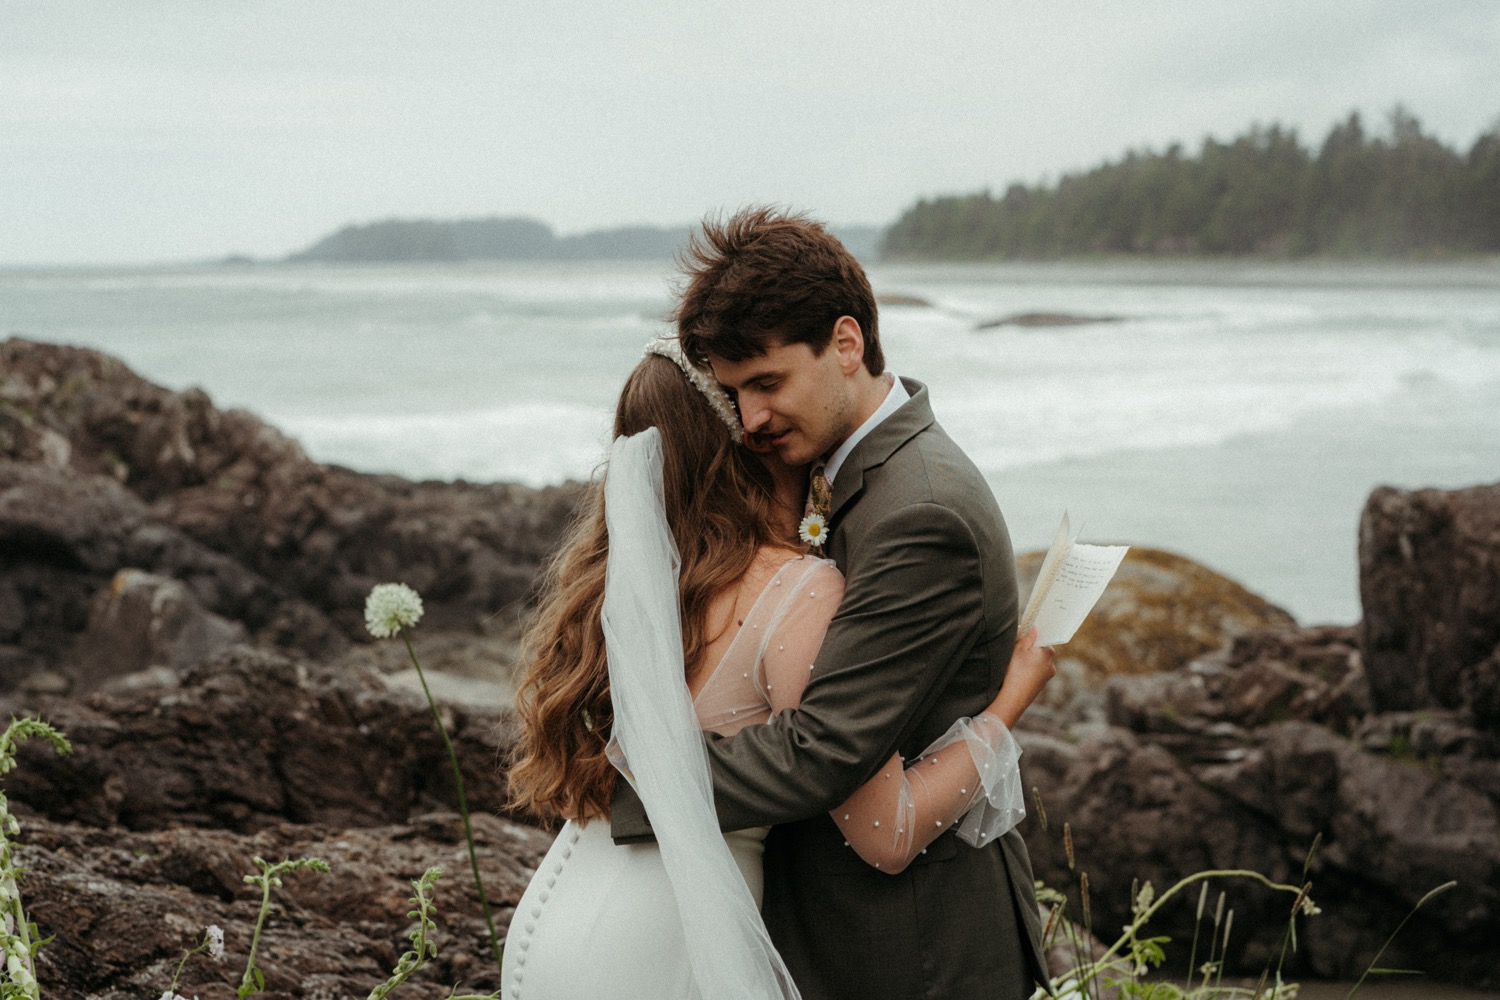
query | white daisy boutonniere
[813, 530]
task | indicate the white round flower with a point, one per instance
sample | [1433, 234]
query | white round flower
[215, 936]
[813, 530]
[390, 608]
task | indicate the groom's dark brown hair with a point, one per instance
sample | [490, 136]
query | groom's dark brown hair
[768, 277]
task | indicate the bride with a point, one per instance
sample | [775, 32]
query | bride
[680, 603]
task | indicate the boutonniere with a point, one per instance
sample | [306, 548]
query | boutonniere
[813, 530]
[814, 527]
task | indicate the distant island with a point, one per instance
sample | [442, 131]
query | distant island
[519, 238]
[1400, 194]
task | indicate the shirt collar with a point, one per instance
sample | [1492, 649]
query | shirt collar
[895, 397]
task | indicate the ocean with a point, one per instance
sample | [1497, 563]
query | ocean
[1238, 413]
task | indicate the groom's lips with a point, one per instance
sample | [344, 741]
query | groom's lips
[768, 439]
[758, 443]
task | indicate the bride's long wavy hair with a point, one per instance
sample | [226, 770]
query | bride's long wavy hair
[719, 507]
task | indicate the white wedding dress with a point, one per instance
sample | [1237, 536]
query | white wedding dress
[601, 920]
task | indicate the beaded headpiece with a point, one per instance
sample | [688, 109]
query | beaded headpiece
[671, 349]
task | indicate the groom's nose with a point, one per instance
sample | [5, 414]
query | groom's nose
[753, 414]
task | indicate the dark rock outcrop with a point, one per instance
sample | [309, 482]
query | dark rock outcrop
[1244, 756]
[1391, 829]
[124, 906]
[1263, 677]
[138, 839]
[144, 620]
[101, 471]
[252, 738]
[1160, 613]
[1430, 585]
[64, 537]
[196, 584]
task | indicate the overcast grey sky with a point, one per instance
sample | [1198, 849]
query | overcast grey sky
[180, 129]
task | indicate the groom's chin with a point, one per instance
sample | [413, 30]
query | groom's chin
[795, 451]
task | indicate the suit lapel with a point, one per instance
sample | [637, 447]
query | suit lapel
[914, 416]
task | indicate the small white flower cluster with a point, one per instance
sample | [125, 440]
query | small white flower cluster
[15, 953]
[215, 938]
[390, 608]
[18, 969]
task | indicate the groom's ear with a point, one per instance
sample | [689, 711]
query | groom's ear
[849, 341]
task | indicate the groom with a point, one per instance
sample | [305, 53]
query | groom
[785, 318]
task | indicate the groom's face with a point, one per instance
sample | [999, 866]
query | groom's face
[792, 400]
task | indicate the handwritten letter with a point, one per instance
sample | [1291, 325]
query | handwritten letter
[1072, 579]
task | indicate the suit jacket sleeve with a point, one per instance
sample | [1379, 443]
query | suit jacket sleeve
[912, 611]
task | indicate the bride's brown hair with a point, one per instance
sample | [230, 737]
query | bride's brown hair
[719, 507]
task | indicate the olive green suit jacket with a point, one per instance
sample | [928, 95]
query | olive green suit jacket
[923, 637]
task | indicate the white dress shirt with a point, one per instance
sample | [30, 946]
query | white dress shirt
[895, 397]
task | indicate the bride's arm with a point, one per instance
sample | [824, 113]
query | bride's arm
[969, 777]
[971, 771]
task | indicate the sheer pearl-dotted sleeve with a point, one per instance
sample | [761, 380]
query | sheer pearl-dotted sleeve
[970, 774]
[789, 656]
[970, 777]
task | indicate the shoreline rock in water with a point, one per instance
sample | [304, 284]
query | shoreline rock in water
[1045, 319]
[180, 592]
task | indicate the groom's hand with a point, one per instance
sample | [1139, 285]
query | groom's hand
[1031, 667]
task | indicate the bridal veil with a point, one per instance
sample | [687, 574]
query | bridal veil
[657, 743]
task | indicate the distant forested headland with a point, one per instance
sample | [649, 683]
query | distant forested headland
[488, 239]
[1394, 194]
[518, 239]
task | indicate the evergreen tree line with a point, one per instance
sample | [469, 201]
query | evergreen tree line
[1402, 193]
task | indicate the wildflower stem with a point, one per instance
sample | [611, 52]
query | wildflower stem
[1197, 930]
[463, 801]
[421, 944]
[253, 980]
[1224, 950]
[1213, 942]
[185, 956]
[1411, 913]
[247, 980]
[1088, 973]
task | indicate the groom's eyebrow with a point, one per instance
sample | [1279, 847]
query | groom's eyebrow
[766, 375]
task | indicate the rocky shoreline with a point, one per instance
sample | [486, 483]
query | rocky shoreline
[180, 593]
